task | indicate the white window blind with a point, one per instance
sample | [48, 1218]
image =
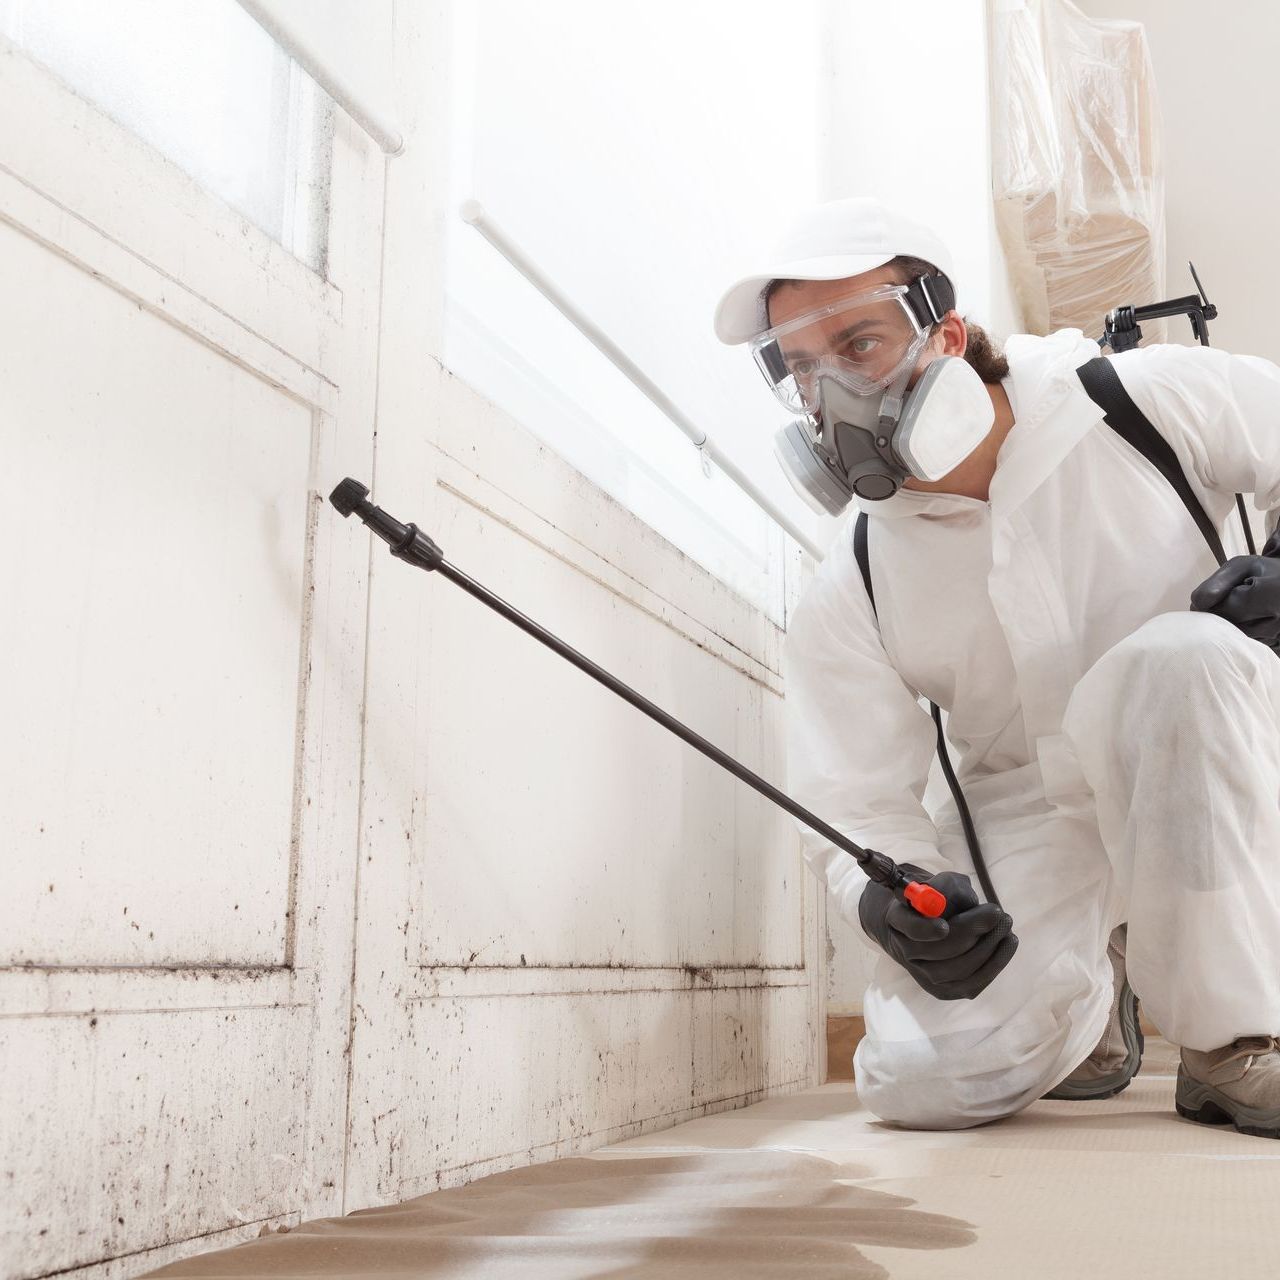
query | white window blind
[207, 87]
[346, 47]
[638, 155]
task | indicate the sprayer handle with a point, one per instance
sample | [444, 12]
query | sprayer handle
[924, 898]
[897, 877]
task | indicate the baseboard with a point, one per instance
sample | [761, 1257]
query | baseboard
[843, 1034]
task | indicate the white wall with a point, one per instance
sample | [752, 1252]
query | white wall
[908, 122]
[369, 894]
[484, 913]
[182, 708]
[570, 928]
[641, 223]
[1219, 100]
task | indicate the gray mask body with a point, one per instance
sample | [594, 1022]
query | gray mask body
[852, 451]
[866, 445]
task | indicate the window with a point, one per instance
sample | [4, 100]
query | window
[637, 156]
[207, 87]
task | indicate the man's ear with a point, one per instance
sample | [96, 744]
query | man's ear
[955, 335]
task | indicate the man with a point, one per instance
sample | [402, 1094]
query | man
[1030, 574]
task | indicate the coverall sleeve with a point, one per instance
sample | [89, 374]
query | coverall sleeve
[859, 744]
[1220, 413]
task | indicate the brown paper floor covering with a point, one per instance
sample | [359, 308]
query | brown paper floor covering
[812, 1186]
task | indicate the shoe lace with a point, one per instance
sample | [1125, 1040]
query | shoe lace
[1252, 1046]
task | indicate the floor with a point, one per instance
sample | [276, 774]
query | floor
[812, 1186]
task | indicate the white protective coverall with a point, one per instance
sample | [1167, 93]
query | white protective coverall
[1120, 754]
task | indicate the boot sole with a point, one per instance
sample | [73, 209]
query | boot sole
[1119, 1080]
[1204, 1104]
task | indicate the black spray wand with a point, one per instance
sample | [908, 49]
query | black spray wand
[409, 543]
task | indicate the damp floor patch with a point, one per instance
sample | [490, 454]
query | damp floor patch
[812, 1186]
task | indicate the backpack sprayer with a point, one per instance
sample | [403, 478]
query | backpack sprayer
[410, 544]
[1122, 331]
[1122, 328]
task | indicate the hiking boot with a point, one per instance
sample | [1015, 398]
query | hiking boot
[1238, 1084]
[1118, 1055]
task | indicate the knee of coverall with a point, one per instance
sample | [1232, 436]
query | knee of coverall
[1170, 677]
[927, 1064]
[943, 1086]
[1181, 652]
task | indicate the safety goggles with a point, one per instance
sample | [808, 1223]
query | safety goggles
[868, 339]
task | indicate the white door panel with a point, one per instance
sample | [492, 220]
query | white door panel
[157, 609]
[163, 1174]
[570, 927]
[584, 837]
[183, 627]
[592, 1066]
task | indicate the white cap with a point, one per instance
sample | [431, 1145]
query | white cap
[827, 242]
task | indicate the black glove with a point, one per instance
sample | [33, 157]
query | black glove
[954, 956]
[1246, 592]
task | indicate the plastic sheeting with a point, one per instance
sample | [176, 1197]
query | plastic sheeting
[1077, 175]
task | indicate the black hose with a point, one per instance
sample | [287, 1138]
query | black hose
[966, 819]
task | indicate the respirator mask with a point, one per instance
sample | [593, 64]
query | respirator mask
[845, 368]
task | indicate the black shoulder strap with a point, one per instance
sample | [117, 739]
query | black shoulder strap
[1128, 421]
[864, 560]
[863, 557]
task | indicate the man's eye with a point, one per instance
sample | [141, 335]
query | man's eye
[803, 368]
[864, 346]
